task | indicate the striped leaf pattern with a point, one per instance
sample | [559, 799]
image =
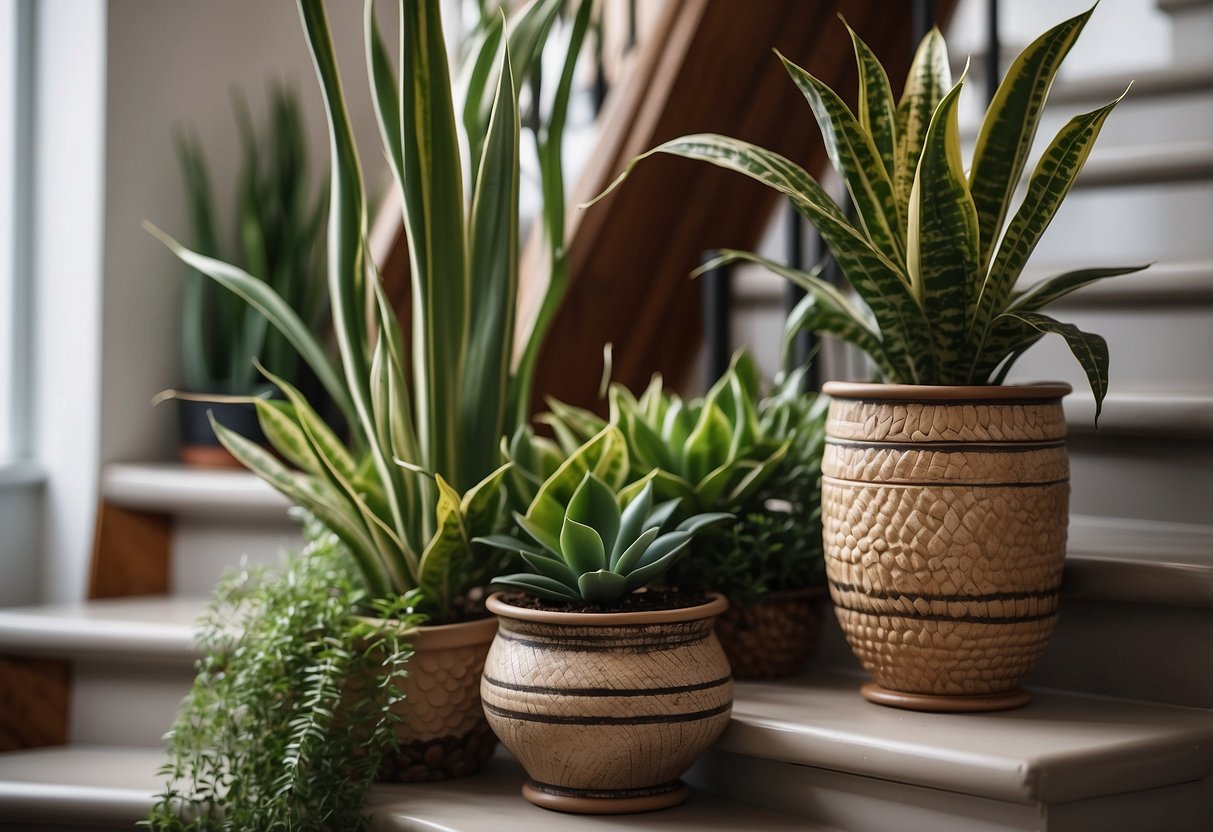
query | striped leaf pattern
[877, 110]
[1089, 349]
[1010, 126]
[929, 79]
[943, 238]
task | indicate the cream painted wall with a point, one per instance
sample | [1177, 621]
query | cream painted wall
[173, 63]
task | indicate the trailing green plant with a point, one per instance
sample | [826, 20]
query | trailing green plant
[601, 549]
[292, 709]
[933, 259]
[421, 477]
[279, 220]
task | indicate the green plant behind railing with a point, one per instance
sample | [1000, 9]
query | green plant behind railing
[421, 480]
[932, 258]
[279, 220]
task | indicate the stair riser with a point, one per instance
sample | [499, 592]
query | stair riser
[848, 802]
[117, 703]
[1148, 479]
[204, 549]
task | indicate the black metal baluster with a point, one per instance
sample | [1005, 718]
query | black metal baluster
[993, 48]
[717, 323]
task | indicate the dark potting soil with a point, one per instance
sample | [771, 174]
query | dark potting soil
[647, 601]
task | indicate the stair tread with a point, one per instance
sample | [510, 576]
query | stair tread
[114, 784]
[151, 628]
[178, 489]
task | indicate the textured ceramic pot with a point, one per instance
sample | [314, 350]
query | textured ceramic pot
[945, 512]
[444, 732]
[606, 711]
[774, 637]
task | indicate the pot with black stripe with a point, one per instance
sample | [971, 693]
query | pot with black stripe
[945, 512]
[606, 711]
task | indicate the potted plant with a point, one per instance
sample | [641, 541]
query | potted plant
[279, 221]
[419, 476]
[605, 693]
[945, 492]
[732, 450]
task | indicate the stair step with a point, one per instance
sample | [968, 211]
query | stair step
[812, 746]
[1148, 165]
[89, 787]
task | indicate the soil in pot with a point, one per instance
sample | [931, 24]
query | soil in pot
[606, 711]
[775, 636]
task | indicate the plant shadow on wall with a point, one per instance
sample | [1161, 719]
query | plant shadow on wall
[419, 476]
[279, 222]
[945, 493]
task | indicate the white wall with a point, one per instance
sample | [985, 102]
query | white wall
[175, 63]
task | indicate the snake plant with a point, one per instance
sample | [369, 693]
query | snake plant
[597, 549]
[933, 258]
[712, 452]
[279, 219]
[420, 477]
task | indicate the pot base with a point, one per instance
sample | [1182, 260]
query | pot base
[932, 703]
[605, 801]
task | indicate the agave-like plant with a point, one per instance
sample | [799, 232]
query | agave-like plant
[420, 477]
[933, 259]
[713, 452]
[602, 549]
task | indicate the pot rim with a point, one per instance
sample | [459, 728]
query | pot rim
[715, 605]
[1042, 391]
[442, 636]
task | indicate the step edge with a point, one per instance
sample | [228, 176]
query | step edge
[176, 489]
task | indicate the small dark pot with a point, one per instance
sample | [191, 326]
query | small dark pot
[199, 445]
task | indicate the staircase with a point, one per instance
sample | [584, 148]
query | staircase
[1119, 735]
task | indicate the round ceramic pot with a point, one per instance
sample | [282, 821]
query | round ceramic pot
[606, 711]
[775, 636]
[945, 512]
[443, 732]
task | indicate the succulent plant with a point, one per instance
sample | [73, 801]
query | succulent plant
[933, 259]
[598, 549]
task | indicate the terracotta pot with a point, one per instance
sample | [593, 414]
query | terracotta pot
[775, 636]
[606, 711]
[444, 732]
[945, 513]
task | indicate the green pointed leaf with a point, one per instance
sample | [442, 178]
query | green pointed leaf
[1051, 181]
[602, 587]
[547, 538]
[442, 562]
[482, 506]
[943, 240]
[540, 586]
[857, 160]
[928, 80]
[593, 504]
[507, 543]
[1089, 349]
[636, 547]
[702, 521]
[877, 111]
[582, 547]
[280, 426]
[632, 521]
[1009, 127]
[606, 455]
[1047, 291]
[708, 445]
[552, 568]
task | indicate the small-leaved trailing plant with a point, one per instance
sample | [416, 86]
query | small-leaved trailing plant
[933, 259]
[730, 451]
[279, 219]
[274, 734]
[421, 475]
[598, 549]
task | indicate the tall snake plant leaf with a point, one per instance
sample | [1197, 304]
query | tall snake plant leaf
[434, 218]
[493, 262]
[823, 309]
[1009, 127]
[477, 75]
[201, 365]
[386, 94]
[1052, 179]
[929, 79]
[550, 144]
[266, 301]
[1090, 349]
[877, 111]
[880, 282]
[856, 157]
[1046, 291]
[943, 237]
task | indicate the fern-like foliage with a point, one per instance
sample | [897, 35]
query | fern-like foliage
[291, 711]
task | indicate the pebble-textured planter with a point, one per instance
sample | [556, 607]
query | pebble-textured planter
[945, 512]
[444, 733]
[606, 711]
[774, 637]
